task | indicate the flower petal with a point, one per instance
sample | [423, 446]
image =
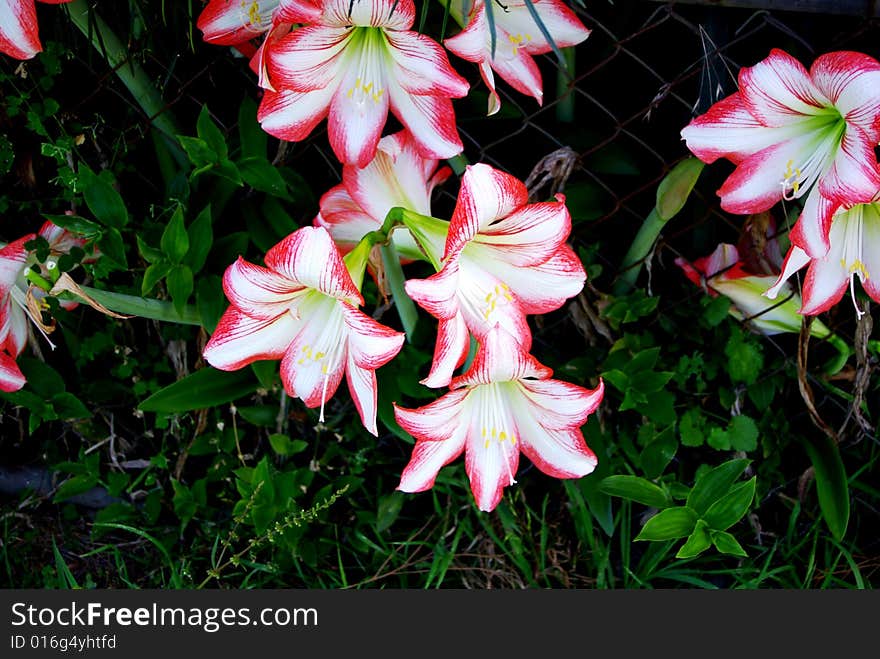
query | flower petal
[824, 285]
[557, 453]
[851, 81]
[358, 113]
[779, 91]
[794, 261]
[555, 404]
[230, 22]
[309, 257]
[259, 293]
[297, 11]
[501, 358]
[393, 14]
[854, 175]
[422, 67]
[437, 421]
[438, 294]
[239, 339]
[370, 344]
[450, 351]
[364, 393]
[430, 120]
[560, 22]
[19, 37]
[308, 58]
[428, 457]
[490, 465]
[810, 232]
[11, 377]
[343, 218]
[12, 260]
[290, 115]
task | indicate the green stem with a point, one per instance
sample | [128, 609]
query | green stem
[564, 95]
[406, 308]
[843, 354]
[638, 251]
[108, 45]
[131, 305]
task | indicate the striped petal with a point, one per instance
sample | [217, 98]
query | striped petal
[851, 81]
[370, 344]
[450, 351]
[560, 22]
[854, 175]
[230, 22]
[811, 230]
[309, 258]
[344, 218]
[824, 284]
[430, 120]
[239, 339]
[422, 67]
[309, 58]
[19, 37]
[501, 357]
[557, 453]
[11, 377]
[259, 293]
[556, 404]
[291, 116]
[392, 14]
[437, 421]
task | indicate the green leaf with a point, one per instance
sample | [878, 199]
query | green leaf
[113, 247]
[150, 254]
[200, 154]
[254, 140]
[676, 186]
[210, 301]
[75, 485]
[44, 380]
[697, 542]
[266, 371]
[745, 360]
[730, 508]
[153, 275]
[691, 428]
[714, 484]
[284, 445]
[69, 407]
[206, 387]
[201, 237]
[669, 524]
[75, 224]
[208, 131]
[389, 509]
[743, 433]
[635, 489]
[180, 286]
[727, 544]
[832, 486]
[102, 199]
[261, 175]
[659, 452]
[175, 240]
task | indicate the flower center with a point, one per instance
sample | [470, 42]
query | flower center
[822, 137]
[369, 46]
[256, 14]
[493, 419]
[329, 341]
[853, 240]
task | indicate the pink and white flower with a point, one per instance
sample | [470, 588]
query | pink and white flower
[854, 250]
[396, 177]
[19, 32]
[504, 258]
[14, 311]
[722, 273]
[792, 132]
[233, 22]
[352, 64]
[505, 403]
[302, 308]
[517, 39]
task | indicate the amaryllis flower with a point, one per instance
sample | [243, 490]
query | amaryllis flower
[504, 404]
[397, 177]
[855, 250]
[232, 22]
[302, 308]
[13, 312]
[504, 258]
[355, 62]
[19, 33]
[517, 39]
[722, 273]
[792, 132]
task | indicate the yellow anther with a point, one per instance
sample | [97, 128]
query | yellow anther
[502, 436]
[319, 356]
[254, 14]
[486, 445]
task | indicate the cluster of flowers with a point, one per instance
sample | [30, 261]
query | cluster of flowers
[497, 260]
[795, 134]
[24, 282]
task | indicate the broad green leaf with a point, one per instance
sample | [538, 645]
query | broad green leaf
[102, 199]
[68, 407]
[690, 428]
[261, 175]
[206, 387]
[259, 415]
[113, 247]
[669, 524]
[75, 224]
[153, 275]
[266, 371]
[198, 151]
[42, 379]
[201, 237]
[210, 301]
[659, 452]
[714, 484]
[743, 433]
[730, 508]
[697, 542]
[389, 509]
[180, 286]
[254, 140]
[208, 131]
[175, 240]
[284, 445]
[675, 188]
[832, 486]
[636, 489]
[745, 361]
[727, 544]
[150, 254]
[75, 485]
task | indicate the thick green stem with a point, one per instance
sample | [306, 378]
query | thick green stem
[638, 251]
[108, 45]
[564, 95]
[406, 308]
[131, 305]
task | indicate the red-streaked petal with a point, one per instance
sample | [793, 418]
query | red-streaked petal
[12, 261]
[436, 421]
[19, 36]
[438, 294]
[522, 73]
[491, 466]
[11, 377]
[501, 358]
[557, 404]
[393, 14]
[422, 67]
[528, 236]
[851, 81]
[854, 176]
[470, 43]
[344, 219]
[364, 393]
[309, 58]
[486, 194]
[450, 351]
[297, 11]
[778, 90]
[370, 343]
[486, 301]
[357, 117]
[260, 293]
[230, 22]
[557, 453]
[428, 458]
[810, 232]
[824, 285]
[545, 287]
[560, 21]
[291, 116]
[794, 261]
[13, 329]
[430, 120]
[871, 251]
[309, 257]
[239, 339]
